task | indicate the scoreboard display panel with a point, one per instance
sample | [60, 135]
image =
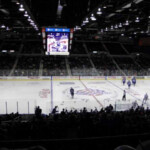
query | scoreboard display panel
[57, 41]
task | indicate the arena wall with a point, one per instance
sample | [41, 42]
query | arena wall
[55, 78]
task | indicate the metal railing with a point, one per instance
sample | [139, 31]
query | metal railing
[22, 106]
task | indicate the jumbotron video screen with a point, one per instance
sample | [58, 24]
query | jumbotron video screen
[57, 41]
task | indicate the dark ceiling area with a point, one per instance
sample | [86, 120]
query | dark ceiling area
[72, 12]
[108, 17]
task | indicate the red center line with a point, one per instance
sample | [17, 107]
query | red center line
[92, 94]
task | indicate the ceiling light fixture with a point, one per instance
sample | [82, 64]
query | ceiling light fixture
[36, 29]
[32, 23]
[3, 26]
[93, 17]
[137, 19]
[77, 28]
[7, 28]
[83, 24]
[87, 20]
[120, 25]
[116, 26]
[21, 8]
[26, 14]
[102, 30]
[29, 18]
[127, 23]
[99, 12]
[106, 29]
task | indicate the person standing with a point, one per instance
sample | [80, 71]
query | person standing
[145, 98]
[129, 84]
[124, 96]
[134, 81]
[123, 80]
[72, 92]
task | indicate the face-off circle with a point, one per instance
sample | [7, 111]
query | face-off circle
[91, 92]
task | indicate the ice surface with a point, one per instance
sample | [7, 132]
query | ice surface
[23, 96]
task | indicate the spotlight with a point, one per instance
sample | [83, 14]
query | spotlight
[86, 21]
[3, 26]
[29, 18]
[21, 8]
[127, 23]
[137, 19]
[120, 25]
[116, 26]
[7, 28]
[26, 14]
[106, 29]
[31, 21]
[102, 30]
[99, 11]
[17, 3]
[93, 17]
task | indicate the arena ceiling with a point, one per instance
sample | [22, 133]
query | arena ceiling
[122, 17]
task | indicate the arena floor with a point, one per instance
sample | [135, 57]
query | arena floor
[23, 96]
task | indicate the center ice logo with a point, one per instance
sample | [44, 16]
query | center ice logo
[44, 93]
[91, 92]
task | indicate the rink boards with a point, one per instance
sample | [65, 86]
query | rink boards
[41, 78]
[23, 94]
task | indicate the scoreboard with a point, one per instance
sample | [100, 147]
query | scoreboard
[57, 41]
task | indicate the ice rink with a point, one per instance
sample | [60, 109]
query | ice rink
[24, 95]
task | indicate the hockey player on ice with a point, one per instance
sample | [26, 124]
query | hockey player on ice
[72, 92]
[129, 84]
[134, 81]
[145, 99]
[124, 96]
[124, 80]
